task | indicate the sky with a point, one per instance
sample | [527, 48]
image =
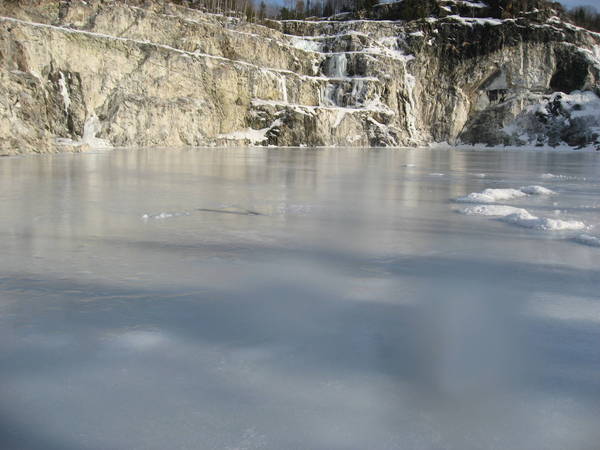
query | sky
[571, 3]
[567, 3]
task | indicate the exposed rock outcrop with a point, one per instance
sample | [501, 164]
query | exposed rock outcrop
[85, 74]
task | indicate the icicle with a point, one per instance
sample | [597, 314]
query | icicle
[283, 88]
[337, 66]
[64, 91]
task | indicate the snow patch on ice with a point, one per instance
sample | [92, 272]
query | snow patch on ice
[527, 220]
[164, 215]
[491, 196]
[551, 176]
[495, 195]
[492, 210]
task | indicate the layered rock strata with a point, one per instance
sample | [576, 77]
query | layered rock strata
[101, 73]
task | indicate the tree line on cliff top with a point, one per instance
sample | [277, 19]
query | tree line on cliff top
[259, 10]
[584, 16]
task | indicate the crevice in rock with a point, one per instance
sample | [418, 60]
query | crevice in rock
[570, 74]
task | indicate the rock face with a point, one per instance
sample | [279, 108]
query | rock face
[80, 74]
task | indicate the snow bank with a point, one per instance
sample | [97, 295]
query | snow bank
[252, 135]
[476, 21]
[249, 134]
[557, 119]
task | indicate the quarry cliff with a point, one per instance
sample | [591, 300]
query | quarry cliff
[77, 75]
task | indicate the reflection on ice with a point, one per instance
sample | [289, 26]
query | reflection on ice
[340, 304]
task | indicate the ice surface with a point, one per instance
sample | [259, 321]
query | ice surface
[312, 299]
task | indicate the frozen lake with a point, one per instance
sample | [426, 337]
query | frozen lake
[300, 299]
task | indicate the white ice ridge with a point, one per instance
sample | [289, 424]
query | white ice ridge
[523, 218]
[494, 195]
[588, 239]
